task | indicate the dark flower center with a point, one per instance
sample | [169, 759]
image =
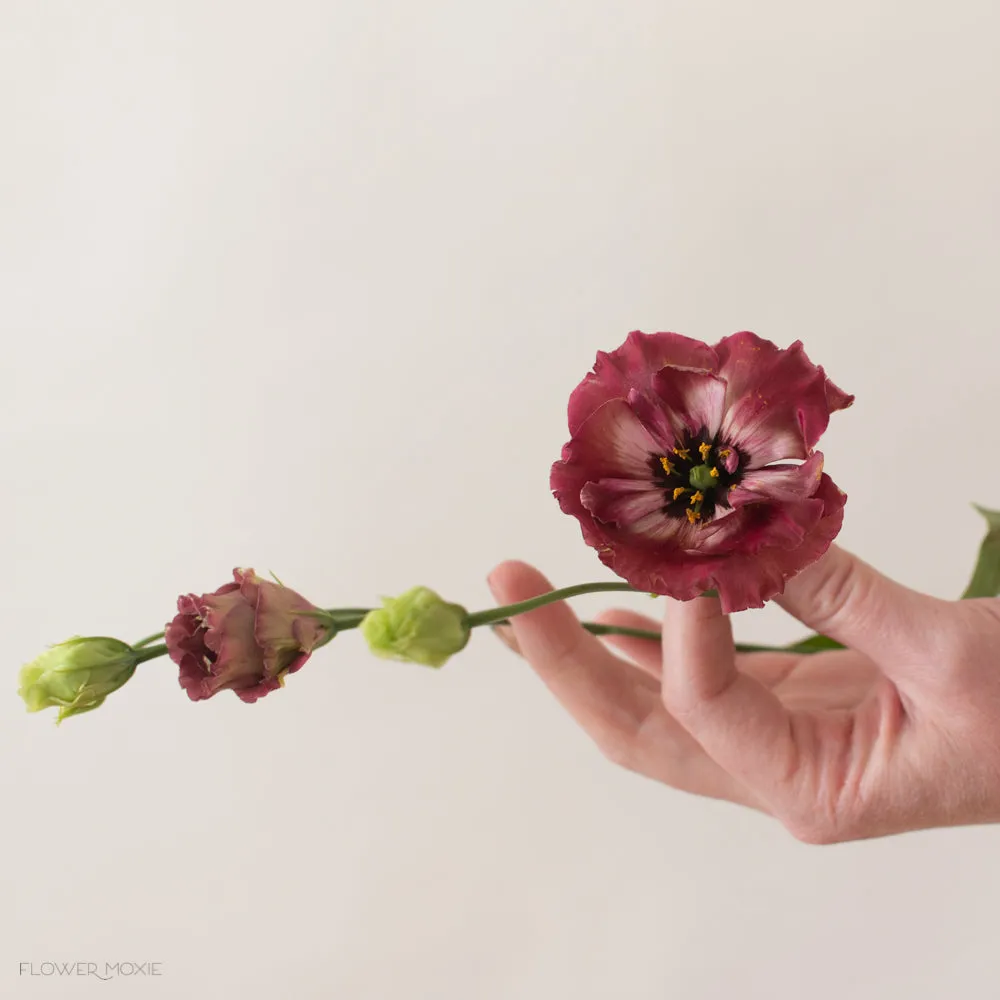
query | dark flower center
[695, 476]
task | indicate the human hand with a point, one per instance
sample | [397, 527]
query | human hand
[900, 731]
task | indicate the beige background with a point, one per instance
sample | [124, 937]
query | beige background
[305, 286]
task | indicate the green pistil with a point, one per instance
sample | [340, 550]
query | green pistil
[701, 478]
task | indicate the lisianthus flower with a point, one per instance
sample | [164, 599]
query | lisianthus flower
[246, 636]
[670, 468]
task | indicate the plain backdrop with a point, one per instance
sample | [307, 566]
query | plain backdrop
[305, 287]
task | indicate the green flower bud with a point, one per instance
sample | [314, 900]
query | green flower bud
[418, 627]
[77, 675]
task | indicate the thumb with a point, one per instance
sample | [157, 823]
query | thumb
[843, 597]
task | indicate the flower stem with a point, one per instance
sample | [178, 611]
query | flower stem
[340, 619]
[151, 653]
[148, 640]
[491, 615]
[599, 628]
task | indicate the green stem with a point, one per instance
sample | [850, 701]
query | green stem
[148, 640]
[599, 628]
[341, 619]
[804, 646]
[151, 653]
[491, 615]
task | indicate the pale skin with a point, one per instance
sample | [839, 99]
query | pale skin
[900, 731]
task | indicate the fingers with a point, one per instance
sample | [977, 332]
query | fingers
[739, 722]
[843, 597]
[618, 705]
[647, 654]
[506, 635]
[607, 697]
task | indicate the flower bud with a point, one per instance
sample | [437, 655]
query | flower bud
[246, 636]
[76, 675]
[418, 627]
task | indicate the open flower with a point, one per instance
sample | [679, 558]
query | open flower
[670, 471]
[246, 636]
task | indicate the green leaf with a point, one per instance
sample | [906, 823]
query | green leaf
[815, 644]
[985, 580]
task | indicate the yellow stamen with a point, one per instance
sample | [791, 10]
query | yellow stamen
[679, 491]
[704, 449]
[665, 462]
[725, 453]
[682, 453]
[698, 497]
[693, 515]
[714, 472]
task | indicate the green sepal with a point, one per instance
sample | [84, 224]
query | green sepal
[814, 644]
[985, 580]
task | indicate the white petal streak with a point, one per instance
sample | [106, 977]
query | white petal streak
[779, 482]
[693, 399]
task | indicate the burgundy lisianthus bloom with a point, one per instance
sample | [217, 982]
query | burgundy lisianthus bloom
[670, 465]
[246, 636]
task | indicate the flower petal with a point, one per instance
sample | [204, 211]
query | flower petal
[653, 415]
[657, 569]
[757, 549]
[632, 366]
[749, 579]
[282, 630]
[779, 482]
[693, 400]
[636, 509]
[778, 402]
[185, 640]
[622, 501]
[753, 527]
[611, 443]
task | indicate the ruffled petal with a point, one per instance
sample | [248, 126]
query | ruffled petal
[758, 526]
[747, 566]
[632, 366]
[185, 640]
[241, 661]
[657, 569]
[652, 414]
[256, 691]
[282, 630]
[779, 482]
[778, 402]
[611, 443]
[748, 579]
[622, 501]
[229, 621]
[635, 509]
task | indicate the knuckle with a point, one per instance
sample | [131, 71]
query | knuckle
[846, 597]
[961, 640]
